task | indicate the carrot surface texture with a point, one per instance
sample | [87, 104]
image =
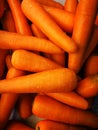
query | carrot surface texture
[43, 107]
[82, 30]
[10, 40]
[66, 80]
[49, 27]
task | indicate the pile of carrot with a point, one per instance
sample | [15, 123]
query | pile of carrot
[48, 64]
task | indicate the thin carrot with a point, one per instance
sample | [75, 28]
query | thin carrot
[29, 61]
[43, 106]
[8, 61]
[21, 23]
[88, 87]
[51, 3]
[24, 106]
[2, 6]
[52, 125]
[8, 22]
[9, 40]
[82, 30]
[56, 80]
[49, 27]
[71, 5]
[91, 65]
[71, 98]
[16, 125]
[63, 18]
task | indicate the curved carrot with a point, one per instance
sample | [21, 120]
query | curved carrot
[16, 125]
[9, 40]
[71, 99]
[29, 61]
[91, 65]
[83, 27]
[43, 107]
[88, 87]
[2, 6]
[63, 18]
[66, 80]
[71, 5]
[49, 27]
[8, 22]
[52, 125]
[21, 23]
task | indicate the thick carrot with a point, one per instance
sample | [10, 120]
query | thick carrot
[2, 6]
[91, 65]
[7, 107]
[21, 23]
[29, 61]
[71, 99]
[37, 32]
[3, 54]
[43, 106]
[88, 87]
[51, 3]
[8, 22]
[66, 80]
[71, 5]
[24, 105]
[9, 40]
[83, 26]
[8, 61]
[52, 125]
[63, 18]
[16, 125]
[49, 27]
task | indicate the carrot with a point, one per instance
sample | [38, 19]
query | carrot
[63, 18]
[71, 99]
[28, 61]
[2, 6]
[83, 26]
[66, 80]
[3, 54]
[96, 21]
[37, 32]
[43, 106]
[49, 27]
[6, 107]
[16, 125]
[8, 22]
[91, 65]
[9, 40]
[24, 106]
[21, 23]
[8, 61]
[88, 87]
[71, 5]
[52, 125]
[51, 3]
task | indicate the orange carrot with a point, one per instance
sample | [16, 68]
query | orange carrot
[7, 107]
[83, 26]
[63, 18]
[43, 106]
[24, 106]
[49, 27]
[16, 125]
[8, 22]
[29, 61]
[37, 32]
[71, 99]
[9, 40]
[3, 54]
[2, 6]
[56, 80]
[91, 65]
[51, 3]
[8, 61]
[71, 5]
[52, 125]
[20, 20]
[88, 87]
